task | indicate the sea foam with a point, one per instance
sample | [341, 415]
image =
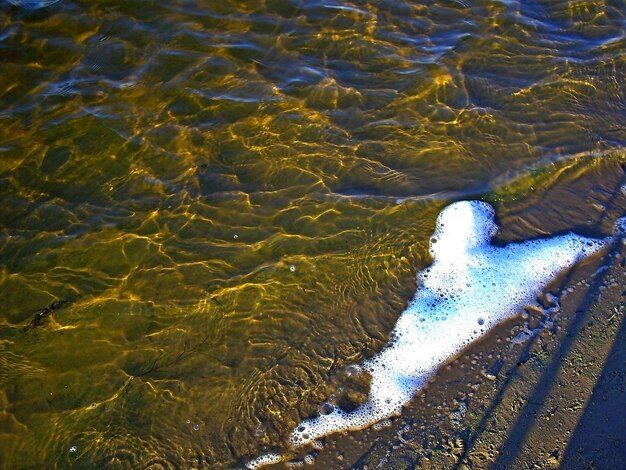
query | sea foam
[470, 287]
[263, 460]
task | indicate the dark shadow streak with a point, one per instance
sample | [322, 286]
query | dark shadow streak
[511, 448]
[517, 435]
[510, 376]
[534, 403]
[601, 427]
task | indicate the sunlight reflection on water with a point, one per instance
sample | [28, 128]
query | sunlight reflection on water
[234, 198]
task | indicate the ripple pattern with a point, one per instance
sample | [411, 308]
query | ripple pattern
[233, 198]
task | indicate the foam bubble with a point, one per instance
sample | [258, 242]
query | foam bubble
[263, 460]
[470, 287]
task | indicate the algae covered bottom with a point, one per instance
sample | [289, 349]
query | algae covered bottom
[209, 208]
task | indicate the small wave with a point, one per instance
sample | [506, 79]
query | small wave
[33, 4]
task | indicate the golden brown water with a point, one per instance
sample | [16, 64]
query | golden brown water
[233, 198]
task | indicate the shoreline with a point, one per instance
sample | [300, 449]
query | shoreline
[517, 407]
[453, 421]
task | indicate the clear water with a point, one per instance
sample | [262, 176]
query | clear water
[233, 198]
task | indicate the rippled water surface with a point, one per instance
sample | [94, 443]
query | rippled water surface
[208, 208]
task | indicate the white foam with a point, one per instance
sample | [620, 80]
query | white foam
[263, 460]
[470, 287]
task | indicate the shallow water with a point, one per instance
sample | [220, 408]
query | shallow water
[233, 198]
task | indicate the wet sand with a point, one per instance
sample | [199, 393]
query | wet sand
[535, 393]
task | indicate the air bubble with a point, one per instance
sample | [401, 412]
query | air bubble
[292, 268]
[319, 445]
